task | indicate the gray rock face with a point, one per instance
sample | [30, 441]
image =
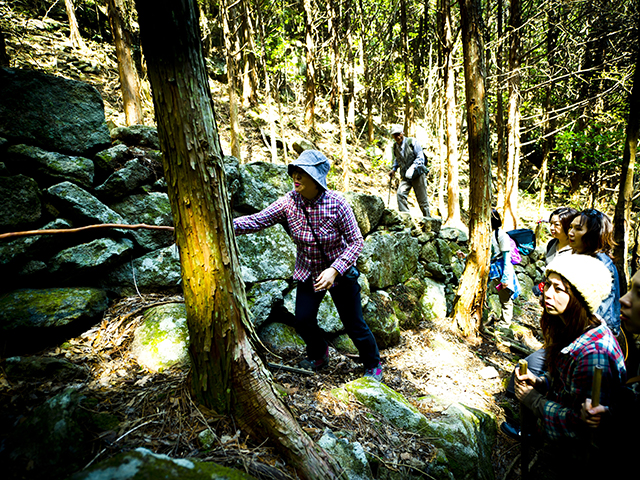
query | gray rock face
[266, 255]
[51, 167]
[152, 208]
[389, 258]
[51, 307]
[262, 184]
[135, 173]
[72, 122]
[19, 201]
[157, 270]
[368, 210]
[81, 204]
[54, 440]
[144, 464]
[137, 135]
[89, 257]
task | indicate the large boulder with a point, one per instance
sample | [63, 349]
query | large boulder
[157, 270]
[81, 205]
[266, 255]
[368, 210]
[50, 167]
[80, 261]
[163, 338]
[262, 184]
[54, 307]
[389, 258]
[51, 112]
[465, 435]
[132, 176]
[152, 208]
[56, 438]
[142, 464]
[19, 201]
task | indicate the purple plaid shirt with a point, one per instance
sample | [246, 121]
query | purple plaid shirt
[572, 383]
[333, 222]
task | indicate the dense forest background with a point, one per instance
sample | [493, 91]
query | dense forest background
[558, 78]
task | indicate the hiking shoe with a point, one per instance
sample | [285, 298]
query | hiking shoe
[309, 364]
[375, 373]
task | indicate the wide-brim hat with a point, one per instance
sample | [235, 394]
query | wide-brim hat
[397, 129]
[315, 164]
[588, 276]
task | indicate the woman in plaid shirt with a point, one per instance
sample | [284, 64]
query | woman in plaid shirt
[576, 342]
[328, 242]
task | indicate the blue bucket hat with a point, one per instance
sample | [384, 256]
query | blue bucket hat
[315, 164]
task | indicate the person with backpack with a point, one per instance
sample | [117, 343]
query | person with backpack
[328, 242]
[408, 157]
[502, 275]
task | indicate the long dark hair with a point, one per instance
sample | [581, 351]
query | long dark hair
[565, 216]
[558, 333]
[496, 221]
[599, 234]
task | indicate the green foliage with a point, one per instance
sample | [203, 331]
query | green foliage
[597, 147]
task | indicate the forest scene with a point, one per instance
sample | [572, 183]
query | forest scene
[151, 339]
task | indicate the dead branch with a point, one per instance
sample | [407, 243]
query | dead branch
[54, 231]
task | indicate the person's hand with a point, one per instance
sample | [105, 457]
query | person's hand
[392, 173]
[524, 383]
[325, 279]
[592, 415]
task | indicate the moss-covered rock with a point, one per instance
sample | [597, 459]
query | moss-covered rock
[143, 464]
[163, 338]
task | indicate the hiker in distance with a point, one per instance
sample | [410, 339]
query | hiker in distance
[328, 243]
[408, 157]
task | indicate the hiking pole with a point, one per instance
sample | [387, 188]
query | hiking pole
[523, 367]
[389, 195]
[595, 386]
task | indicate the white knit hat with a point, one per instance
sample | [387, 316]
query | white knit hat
[588, 276]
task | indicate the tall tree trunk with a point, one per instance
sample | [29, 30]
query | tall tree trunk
[226, 375]
[232, 75]
[469, 301]
[548, 121]
[622, 216]
[406, 59]
[336, 39]
[249, 76]
[129, 80]
[453, 189]
[74, 32]
[4, 56]
[310, 74]
[510, 213]
[500, 130]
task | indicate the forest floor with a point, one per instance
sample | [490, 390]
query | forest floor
[156, 410]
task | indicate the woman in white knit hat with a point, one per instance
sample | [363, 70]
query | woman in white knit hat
[576, 341]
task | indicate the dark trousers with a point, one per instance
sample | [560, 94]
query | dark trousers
[346, 297]
[536, 366]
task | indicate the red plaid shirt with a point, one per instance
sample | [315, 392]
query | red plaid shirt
[572, 383]
[333, 222]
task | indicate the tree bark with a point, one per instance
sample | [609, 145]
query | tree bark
[622, 216]
[310, 74]
[129, 80]
[548, 121]
[249, 77]
[227, 374]
[408, 94]
[4, 56]
[500, 130]
[469, 301]
[510, 213]
[232, 75]
[74, 31]
[451, 118]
